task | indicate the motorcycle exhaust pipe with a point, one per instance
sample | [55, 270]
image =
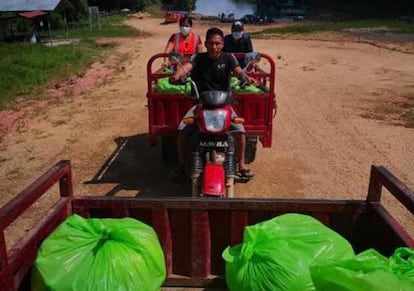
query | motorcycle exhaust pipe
[230, 186]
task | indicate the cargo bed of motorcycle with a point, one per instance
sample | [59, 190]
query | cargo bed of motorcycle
[193, 232]
[165, 110]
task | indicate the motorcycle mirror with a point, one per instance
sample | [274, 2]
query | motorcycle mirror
[175, 58]
[252, 57]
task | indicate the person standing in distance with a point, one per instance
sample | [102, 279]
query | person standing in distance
[238, 41]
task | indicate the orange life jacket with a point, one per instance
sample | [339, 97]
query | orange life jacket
[188, 45]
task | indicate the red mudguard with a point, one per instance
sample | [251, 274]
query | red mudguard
[214, 180]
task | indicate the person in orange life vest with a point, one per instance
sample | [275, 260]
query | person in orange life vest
[184, 42]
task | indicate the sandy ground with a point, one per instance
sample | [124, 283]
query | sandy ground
[343, 104]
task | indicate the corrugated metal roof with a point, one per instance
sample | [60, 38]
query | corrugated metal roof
[28, 5]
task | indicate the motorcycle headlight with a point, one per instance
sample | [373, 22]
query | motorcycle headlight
[215, 119]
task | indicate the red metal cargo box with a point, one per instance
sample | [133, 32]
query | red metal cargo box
[194, 231]
[165, 110]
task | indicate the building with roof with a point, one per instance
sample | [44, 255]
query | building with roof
[18, 17]
[28, 5]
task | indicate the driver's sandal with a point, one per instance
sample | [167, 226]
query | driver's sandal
[244, 175]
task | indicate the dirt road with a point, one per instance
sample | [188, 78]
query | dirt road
[341, 109]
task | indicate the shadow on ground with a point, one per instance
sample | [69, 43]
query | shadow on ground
[134, 165]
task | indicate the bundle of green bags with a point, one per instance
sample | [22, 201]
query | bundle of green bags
[100, 254]
[163, 86]
[368, 271]
[238, 87]
[297, 252]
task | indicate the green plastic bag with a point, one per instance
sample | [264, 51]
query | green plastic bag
[100, 254]
[235, 85]
[164, 86]
[276, 254]
[368, 271]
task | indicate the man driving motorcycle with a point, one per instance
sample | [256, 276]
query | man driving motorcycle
[212, 71]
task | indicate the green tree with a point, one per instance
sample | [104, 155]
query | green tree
[81, 8]
[180, 4]
[73, 10]
[119, 4]
[135, 4]
[186, 4]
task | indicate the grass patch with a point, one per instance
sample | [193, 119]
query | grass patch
[28, 68]
[298, 28]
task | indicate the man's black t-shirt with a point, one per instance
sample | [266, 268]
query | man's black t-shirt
[211, 74]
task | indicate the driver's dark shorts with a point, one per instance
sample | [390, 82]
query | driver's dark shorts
[234, 128]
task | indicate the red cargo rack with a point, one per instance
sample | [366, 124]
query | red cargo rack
[165, 110]
[194, 231]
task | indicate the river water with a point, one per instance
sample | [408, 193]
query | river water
[215, 7]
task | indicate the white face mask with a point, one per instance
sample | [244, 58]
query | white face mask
[237, 35]
[185, 30]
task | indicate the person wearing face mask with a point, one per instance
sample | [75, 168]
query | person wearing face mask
[186, 42]
[238, 41]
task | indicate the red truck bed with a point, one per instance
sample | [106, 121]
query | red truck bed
[165, 110]
[194, 231]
